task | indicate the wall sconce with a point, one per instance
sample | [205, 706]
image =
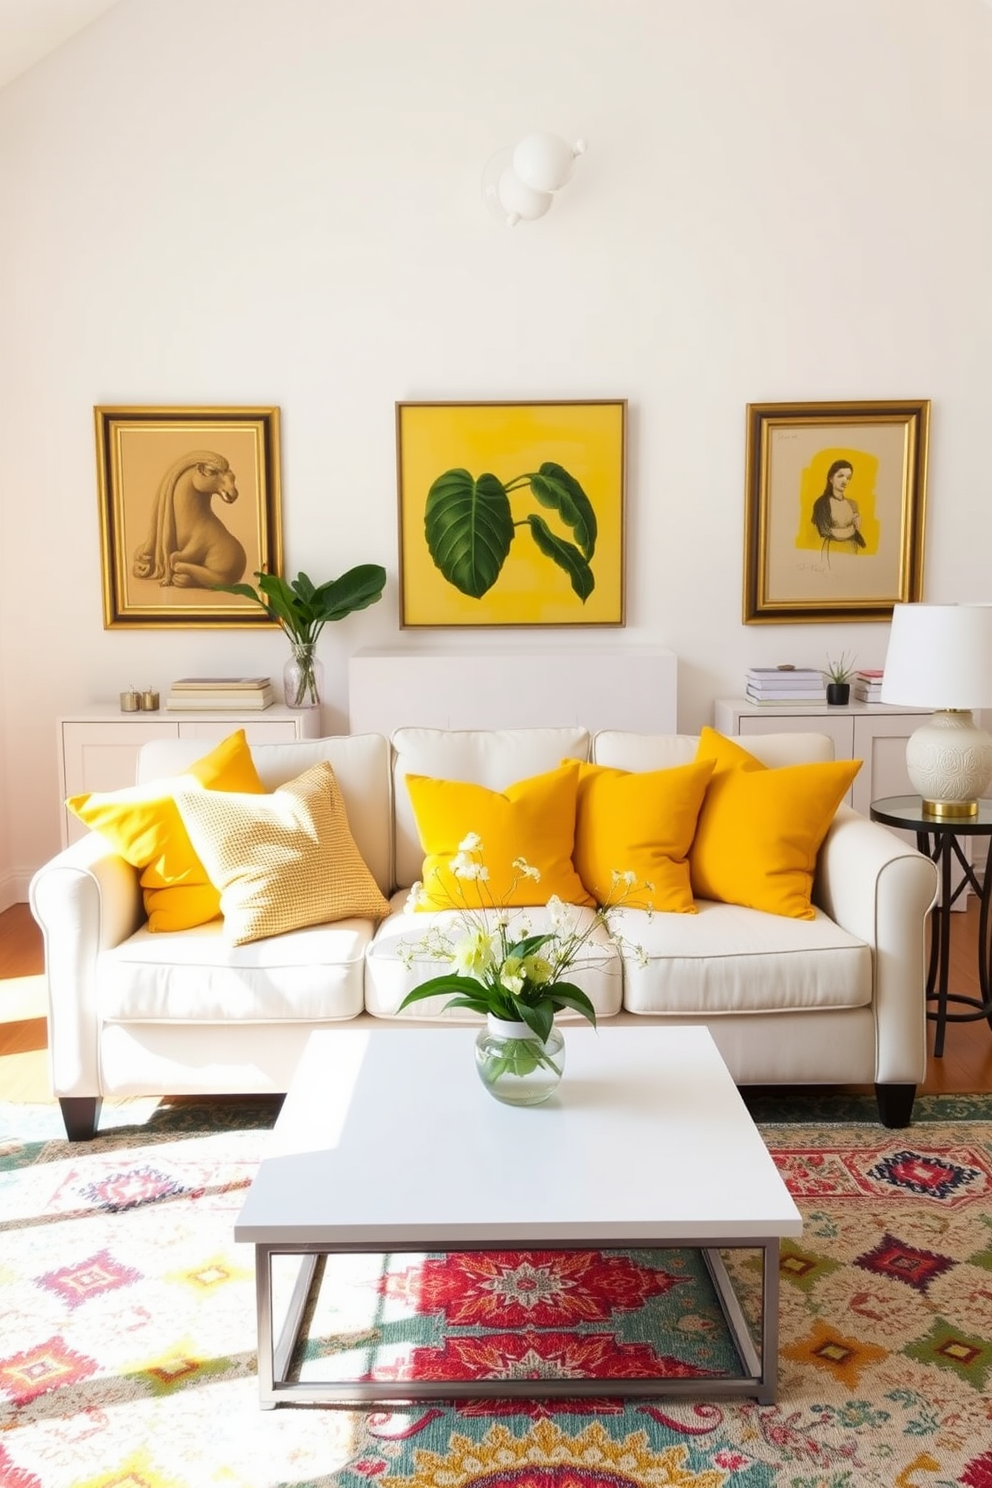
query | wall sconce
[518, 185]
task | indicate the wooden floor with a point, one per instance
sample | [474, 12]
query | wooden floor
[964, 1069]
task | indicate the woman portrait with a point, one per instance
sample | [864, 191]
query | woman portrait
[835, 516]
[834, 510]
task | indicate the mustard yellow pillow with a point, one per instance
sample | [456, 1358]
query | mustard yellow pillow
[143, 825]
[725, 754]
[642, 823]
[284, 861]
[533, 819]
[759, 830]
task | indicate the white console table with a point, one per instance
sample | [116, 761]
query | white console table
[534, 685]
[98, 746]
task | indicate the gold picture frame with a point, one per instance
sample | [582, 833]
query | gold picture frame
[162, 473]
[511, 513]
[835, 503]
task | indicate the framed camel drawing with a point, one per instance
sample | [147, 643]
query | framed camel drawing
[189, 498]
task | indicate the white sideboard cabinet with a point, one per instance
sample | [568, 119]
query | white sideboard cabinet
[98, 747]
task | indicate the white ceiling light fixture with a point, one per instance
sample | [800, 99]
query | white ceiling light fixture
[518, 185]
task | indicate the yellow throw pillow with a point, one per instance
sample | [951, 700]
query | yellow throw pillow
[725, 754]
[284, 861]
[143, 825]
[642, 823]
[759, 830]
[533, 819]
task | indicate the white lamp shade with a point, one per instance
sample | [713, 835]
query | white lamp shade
[519, 200]
[939, 656]
[543, 161]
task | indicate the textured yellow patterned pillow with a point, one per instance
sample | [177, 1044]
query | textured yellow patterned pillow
[759, 830]
[282, 861]
[143, 825]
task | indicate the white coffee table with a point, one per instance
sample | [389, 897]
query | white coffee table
[646, 1144]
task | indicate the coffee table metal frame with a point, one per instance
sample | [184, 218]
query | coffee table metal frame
[272, 1235]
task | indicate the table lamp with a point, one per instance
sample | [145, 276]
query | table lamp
[940, 657]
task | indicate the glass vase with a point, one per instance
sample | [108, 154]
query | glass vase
[303, 676]
[515, 1066]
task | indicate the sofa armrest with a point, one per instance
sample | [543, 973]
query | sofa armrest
[878, 888]
[86, 899]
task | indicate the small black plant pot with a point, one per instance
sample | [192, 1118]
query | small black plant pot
[838, 694]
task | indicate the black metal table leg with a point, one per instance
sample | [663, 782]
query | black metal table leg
[945, 849]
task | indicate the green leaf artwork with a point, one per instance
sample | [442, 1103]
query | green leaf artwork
[469, 526]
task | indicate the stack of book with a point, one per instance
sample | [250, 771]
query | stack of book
[868, 686]
[219, 694]
[785, 685]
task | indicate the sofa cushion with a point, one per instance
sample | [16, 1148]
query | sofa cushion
[143, 824]
[282, 861]
[532, 820]
[760, 829]
[388, 978]
[491, 757]
[628, 751]
[196, 976]
[728, 959]
[641, 823]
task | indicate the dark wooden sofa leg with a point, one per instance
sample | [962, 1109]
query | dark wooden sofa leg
[895, 1104]
[81, 1113]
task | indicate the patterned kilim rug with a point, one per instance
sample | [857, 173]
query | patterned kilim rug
[127, 1324]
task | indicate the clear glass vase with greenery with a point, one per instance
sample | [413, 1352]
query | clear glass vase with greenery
[517, 980]
[302, 608]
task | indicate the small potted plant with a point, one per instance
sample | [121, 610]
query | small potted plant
[839, 675]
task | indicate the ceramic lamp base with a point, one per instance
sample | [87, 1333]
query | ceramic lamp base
[949, 762]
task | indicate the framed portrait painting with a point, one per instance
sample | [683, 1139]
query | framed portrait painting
[189, 498]
[511, 513]
[834, 510]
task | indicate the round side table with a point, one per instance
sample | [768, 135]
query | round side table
[940, 838]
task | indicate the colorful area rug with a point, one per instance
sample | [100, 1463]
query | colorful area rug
[127, 1325]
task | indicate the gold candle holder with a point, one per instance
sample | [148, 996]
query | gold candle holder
[130, 701]
[149, 701]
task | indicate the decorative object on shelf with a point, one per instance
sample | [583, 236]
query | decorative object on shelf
[541, 543]
[868, 685]
[517, 980]
[785, 684]
[940, 657]
[518, 185]
[220, 694]
[303, 676]
[839, 680]
[189, 502]
[303, 608]
[149, 700]
[130, 700]
[834, 510]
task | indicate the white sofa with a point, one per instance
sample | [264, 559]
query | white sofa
[834, 1000]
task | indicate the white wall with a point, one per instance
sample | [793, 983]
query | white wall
[278, 201]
